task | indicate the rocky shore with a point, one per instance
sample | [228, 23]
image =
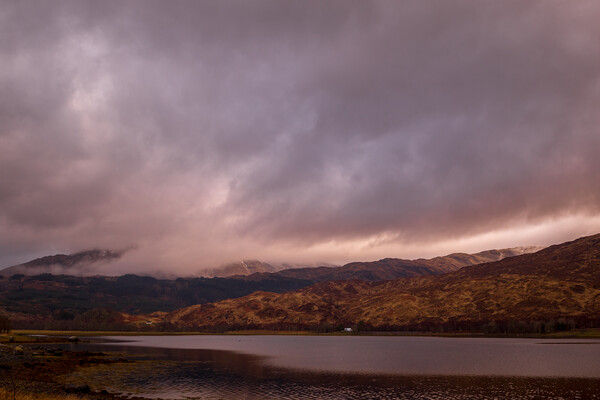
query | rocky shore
[34, 370]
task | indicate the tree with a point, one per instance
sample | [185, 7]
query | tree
[361, 326]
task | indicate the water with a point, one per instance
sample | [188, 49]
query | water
[348, 367]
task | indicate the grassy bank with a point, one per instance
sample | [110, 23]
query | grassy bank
[99, 333]
[38, 396]
[36, 371]
[33, 335]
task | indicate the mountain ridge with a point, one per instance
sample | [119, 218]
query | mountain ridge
[393, 268]
[86, 263]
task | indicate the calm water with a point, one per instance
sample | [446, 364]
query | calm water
[347, 367]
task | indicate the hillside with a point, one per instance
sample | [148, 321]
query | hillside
[561, 281]
[62, 297]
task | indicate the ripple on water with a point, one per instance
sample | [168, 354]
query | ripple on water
[207, 380]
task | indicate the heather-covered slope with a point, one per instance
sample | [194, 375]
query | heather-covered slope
[560, 281]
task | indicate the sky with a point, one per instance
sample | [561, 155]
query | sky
[195, 133]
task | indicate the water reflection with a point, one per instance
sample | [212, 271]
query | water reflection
[219, 374]
[403, 355]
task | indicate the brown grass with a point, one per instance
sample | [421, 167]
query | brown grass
[97, 333]
[37, 396]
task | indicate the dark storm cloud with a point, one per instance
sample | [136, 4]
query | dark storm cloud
[207, 131]
[461, 117]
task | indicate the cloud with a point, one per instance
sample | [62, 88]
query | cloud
[202, 132]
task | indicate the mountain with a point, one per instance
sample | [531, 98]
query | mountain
[394, 268]
[244, 268]
[87, 263]
[82, 263]
[561, 281]
[241, 268]
[44, 297]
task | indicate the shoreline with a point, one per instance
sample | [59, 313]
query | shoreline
[32, 336]
[34, 371]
